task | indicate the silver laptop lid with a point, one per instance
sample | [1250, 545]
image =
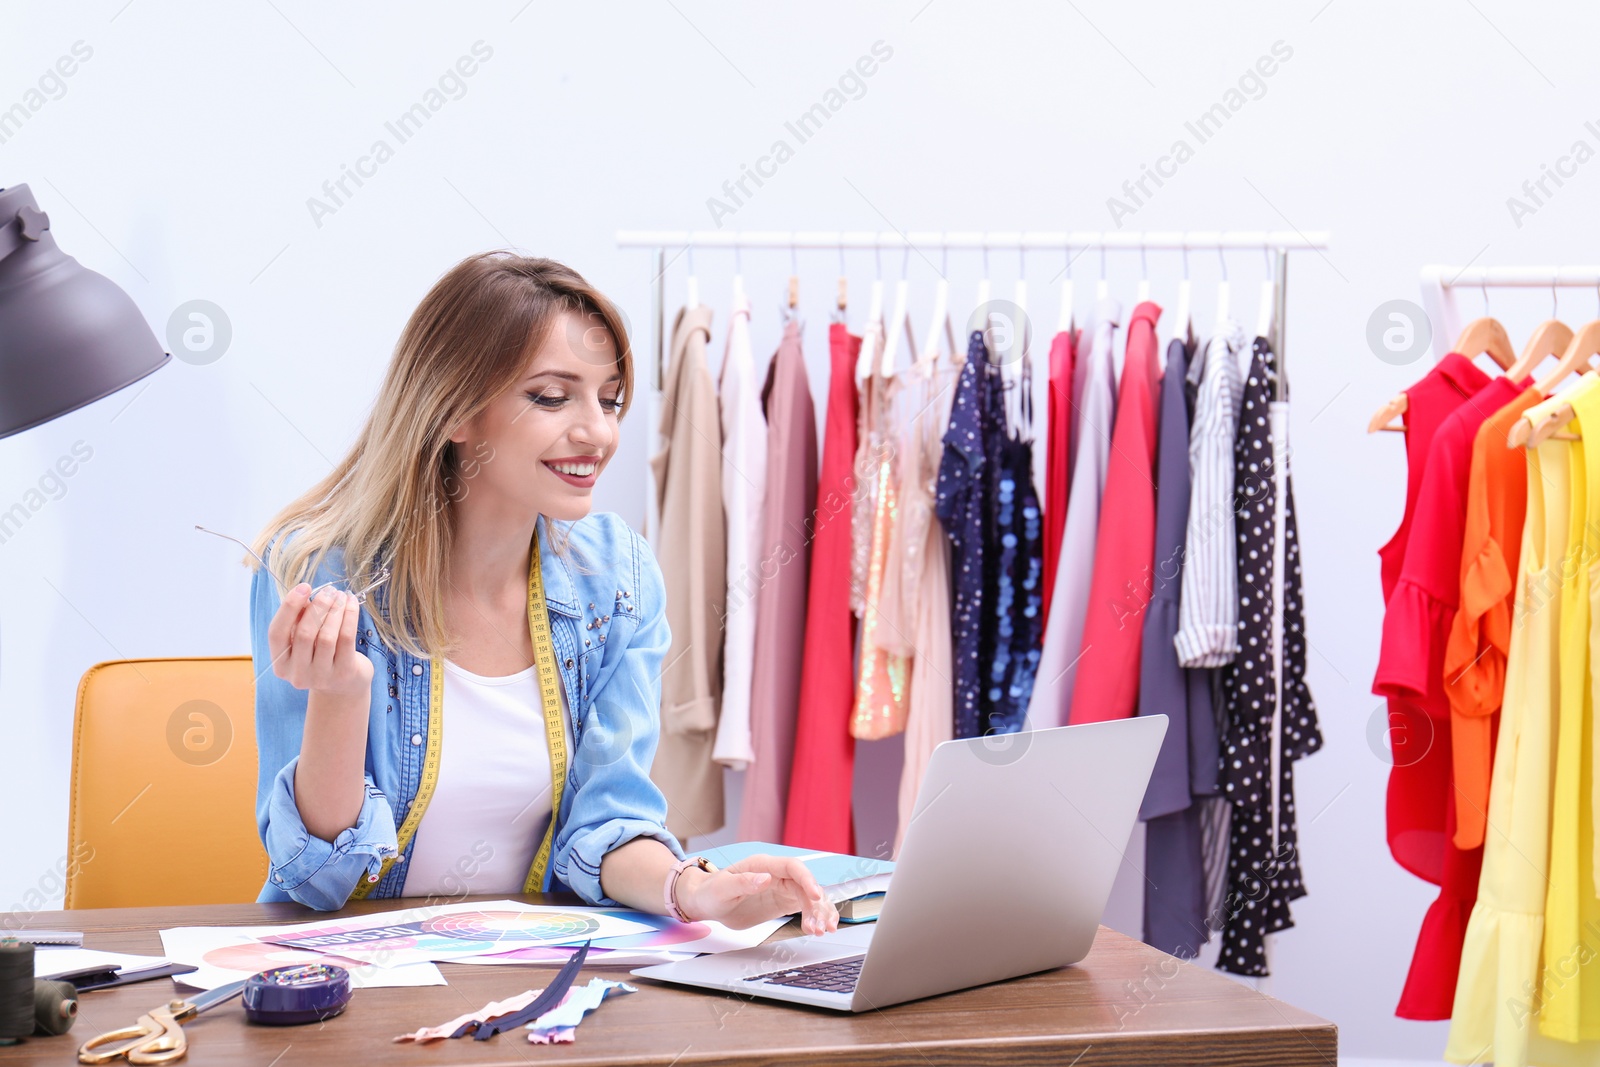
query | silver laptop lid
[1008, 861]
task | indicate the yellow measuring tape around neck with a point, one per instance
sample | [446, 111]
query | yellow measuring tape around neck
[544, 656]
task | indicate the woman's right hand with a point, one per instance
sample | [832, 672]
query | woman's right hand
[313, 643]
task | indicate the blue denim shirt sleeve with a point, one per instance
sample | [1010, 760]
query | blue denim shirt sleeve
[317, 873]
[614, 799]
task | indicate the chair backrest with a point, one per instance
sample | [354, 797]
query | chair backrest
[164, 785]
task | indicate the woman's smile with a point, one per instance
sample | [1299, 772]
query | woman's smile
[580, 471]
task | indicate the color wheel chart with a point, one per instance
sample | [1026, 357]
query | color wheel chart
[442, 936]
[422, 934]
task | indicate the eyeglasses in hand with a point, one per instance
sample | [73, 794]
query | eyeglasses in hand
[361, 595]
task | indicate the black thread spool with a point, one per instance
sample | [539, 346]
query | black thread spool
[16, 990]
[55, 1007]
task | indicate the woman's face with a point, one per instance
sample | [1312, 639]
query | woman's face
[541, 446]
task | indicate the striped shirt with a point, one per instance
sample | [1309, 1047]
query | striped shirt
[1208, 608]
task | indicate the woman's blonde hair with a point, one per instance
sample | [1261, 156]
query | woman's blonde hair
[388, 502]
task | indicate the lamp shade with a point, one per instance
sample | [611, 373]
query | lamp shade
[68, 336]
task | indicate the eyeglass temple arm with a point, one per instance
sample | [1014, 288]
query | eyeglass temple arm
[382, 576]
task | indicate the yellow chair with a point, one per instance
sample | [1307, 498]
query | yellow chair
[164, 785]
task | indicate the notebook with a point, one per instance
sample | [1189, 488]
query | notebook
[841, 877]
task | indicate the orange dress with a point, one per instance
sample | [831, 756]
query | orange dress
[1480, 634]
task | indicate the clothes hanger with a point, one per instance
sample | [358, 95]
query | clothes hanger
[1546, 419]
[1552, 336]
[1064, 324]
[738, 278]
[1583, 347]
[1222, 291]
[1488, 336]
[868, 355]
[1483, 334]
[693, 283]
[1180, 320]
[1269, 299]
[899, 323]
[840, 298]
[1019, 371]
[794, 284]
[1143, 292]
[1102, 288]
[941, 318]
[983, 290]
[1543, 419]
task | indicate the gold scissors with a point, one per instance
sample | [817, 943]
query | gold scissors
[157, 1037]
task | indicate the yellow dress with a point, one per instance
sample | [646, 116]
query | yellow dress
[1493, 1017]
[1569, 985]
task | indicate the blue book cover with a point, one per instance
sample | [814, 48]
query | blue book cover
[842, 876]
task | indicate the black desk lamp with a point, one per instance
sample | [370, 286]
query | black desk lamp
[68, 336]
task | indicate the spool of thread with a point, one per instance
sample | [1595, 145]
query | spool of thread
[16, 990]
[55, 1006]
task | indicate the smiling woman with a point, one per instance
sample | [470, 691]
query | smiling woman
[464, 511]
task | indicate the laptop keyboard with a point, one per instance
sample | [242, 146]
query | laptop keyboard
[833, 976]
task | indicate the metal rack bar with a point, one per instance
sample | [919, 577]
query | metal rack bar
[813, 239]
[1279, 241]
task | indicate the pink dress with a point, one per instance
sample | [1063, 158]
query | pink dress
[917, 592]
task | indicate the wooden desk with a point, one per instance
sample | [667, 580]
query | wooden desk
[1125, 1004]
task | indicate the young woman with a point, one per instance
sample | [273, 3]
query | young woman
[458, 666]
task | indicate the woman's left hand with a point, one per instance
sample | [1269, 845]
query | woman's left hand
[757, 888]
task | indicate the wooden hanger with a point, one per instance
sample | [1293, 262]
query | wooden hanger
[1481, 335]
[1580, 350]
[1487, 335]
[1541, 423]
[1550, 338]
[1547, 419]
[1380, 422]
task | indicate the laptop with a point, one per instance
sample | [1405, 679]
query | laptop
[1004, 870]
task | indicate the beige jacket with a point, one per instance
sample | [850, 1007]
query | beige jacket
[691, 547]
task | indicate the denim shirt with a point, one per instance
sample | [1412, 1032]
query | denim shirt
[610, 633]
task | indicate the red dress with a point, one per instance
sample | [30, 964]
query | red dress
[1416, 631]
[820, 780]
[1416, 826]
[1107, 686]
[1058, 455]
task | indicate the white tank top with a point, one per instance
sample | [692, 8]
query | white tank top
[491, 806]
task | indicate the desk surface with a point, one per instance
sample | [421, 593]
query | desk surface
[1125, 1004]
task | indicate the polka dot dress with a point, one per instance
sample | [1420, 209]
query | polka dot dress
[959, 503]
[1262, 879]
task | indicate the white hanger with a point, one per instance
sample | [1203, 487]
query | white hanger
[941, 317]
[1020, 327]
[1269, 297]
[983, 286]
[694, 283]
[1180, 320]
[1222, 292]
[1144, 276]
[869, 333]
[738, 279]
[1064, 323]
[1102, 288]
[899, 322]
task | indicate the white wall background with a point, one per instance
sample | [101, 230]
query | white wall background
[179, 158]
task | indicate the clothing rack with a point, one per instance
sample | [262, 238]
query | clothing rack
[680, 241]
[1440, 284]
